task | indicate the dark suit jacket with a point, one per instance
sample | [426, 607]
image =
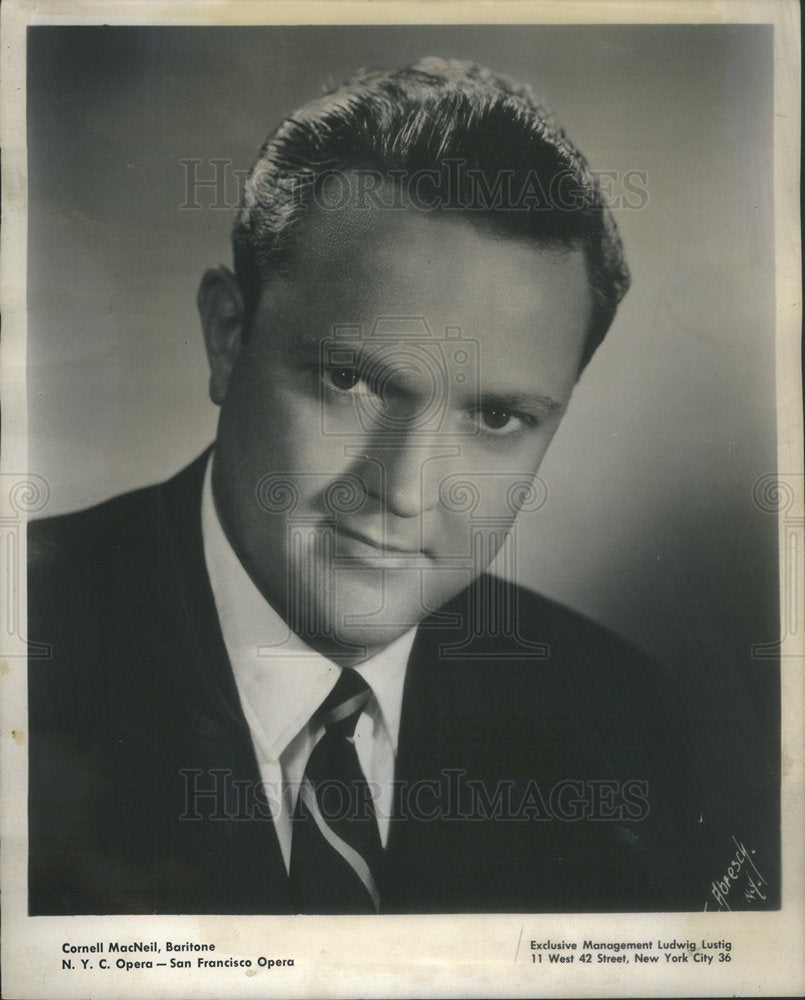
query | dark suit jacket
[544, 767]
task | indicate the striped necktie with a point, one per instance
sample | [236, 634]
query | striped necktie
[336, 854]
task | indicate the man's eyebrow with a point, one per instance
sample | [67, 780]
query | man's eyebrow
[525, 401]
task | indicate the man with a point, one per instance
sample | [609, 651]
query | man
[283, 681]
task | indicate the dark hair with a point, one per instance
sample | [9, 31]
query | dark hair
[451, 137]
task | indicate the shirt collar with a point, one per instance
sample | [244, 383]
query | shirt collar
[281, 680]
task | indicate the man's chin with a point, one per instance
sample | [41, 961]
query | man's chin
[354, 631]
[362, 611]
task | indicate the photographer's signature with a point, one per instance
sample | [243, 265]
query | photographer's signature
[741, 878]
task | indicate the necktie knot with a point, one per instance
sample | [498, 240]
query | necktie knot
[341, 709]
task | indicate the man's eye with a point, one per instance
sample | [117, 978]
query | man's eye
[498, 420]
[342, 379]
[495, 417]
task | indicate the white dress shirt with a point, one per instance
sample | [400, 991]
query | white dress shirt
[281, 682]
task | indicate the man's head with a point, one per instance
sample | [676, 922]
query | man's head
[423, 265]
[452, 137]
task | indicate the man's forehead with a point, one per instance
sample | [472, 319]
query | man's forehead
[400, 261]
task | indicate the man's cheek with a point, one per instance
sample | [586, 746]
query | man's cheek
[451, 540]
[289, 439]
[467, 545]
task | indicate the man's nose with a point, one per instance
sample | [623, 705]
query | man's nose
[405, 474]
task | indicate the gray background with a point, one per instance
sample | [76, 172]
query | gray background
[649, 524]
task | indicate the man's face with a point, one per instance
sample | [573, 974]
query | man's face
[396, 392]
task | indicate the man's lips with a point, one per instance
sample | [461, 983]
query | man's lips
[381, 547]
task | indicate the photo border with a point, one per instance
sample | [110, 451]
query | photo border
[406, 956]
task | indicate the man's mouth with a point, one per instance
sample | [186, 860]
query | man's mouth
[363, 545]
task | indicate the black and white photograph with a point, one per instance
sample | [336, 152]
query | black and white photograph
[405, 532]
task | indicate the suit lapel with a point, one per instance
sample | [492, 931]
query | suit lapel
[208, 745]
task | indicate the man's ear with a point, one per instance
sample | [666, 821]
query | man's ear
[220, 304]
